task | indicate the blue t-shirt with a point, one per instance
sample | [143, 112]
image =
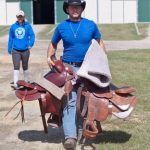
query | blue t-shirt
[76, 37]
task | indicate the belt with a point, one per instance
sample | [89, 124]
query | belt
[75, 64]
[20, 50]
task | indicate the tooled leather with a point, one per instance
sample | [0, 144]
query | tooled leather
[102, 104]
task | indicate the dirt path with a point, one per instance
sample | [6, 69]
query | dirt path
[13, 134]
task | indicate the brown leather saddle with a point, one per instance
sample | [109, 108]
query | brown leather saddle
[61, 75]
[99, 103]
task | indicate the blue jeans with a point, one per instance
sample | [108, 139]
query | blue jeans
[70, 115]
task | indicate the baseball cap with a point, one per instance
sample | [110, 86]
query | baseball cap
[20, 13]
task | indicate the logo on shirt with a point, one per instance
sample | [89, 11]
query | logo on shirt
[20, 32]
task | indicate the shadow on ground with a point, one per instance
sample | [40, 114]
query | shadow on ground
[54, 135]
[107, 137]
[112, 137]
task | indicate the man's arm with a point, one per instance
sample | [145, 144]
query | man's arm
[101, 43]
[51, 54]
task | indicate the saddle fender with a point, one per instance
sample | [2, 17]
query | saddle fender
[51, 104]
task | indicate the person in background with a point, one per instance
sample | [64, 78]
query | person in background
[21, 40]
[76, 34]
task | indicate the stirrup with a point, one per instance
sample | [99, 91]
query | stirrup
[53, 121]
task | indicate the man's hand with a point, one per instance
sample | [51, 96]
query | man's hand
[50, 62]
[51, 55]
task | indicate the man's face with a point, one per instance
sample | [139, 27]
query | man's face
[20, 19]
[75, 11]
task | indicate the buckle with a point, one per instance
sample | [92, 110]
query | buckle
[75, 64]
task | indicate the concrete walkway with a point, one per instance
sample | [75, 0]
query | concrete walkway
[126, 45]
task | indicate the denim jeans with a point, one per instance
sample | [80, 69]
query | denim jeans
[70, 115]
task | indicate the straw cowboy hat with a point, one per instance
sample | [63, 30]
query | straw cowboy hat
[73, 2]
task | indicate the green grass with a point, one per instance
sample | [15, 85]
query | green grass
[123, 31]
[109, 32]
[129, 68]
[4, 30]
[46, 34]
[132, 68]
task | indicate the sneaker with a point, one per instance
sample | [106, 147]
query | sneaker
[12, 82]
[15, 87]
[70, 143]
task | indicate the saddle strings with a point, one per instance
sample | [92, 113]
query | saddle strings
[21, 109]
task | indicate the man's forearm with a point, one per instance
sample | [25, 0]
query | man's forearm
[51, 50]
[101, 43]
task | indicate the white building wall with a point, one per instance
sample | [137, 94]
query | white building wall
[90, 11]
[12, 9]
[3, 12]
[100, 11]
[111, 11]
[117, 12]
[130, 11]
[104, 11]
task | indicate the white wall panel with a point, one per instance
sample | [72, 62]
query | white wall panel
[2, 12]
[117, 12]
[12, 9]
[90, 11]
[104, 11]
[130, 11]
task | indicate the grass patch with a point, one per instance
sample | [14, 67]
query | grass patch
[132, 68]
[4, 30]
[123, 31]
[109, 32]
[47, 33]
[129, 68]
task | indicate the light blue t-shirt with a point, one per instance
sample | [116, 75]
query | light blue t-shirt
[76, 37]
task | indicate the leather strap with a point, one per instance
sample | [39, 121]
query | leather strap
[125, 90]
[81, 92]
[89, 128]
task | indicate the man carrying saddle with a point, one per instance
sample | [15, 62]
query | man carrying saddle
[76, 33]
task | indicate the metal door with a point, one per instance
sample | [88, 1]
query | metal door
[144, 10]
